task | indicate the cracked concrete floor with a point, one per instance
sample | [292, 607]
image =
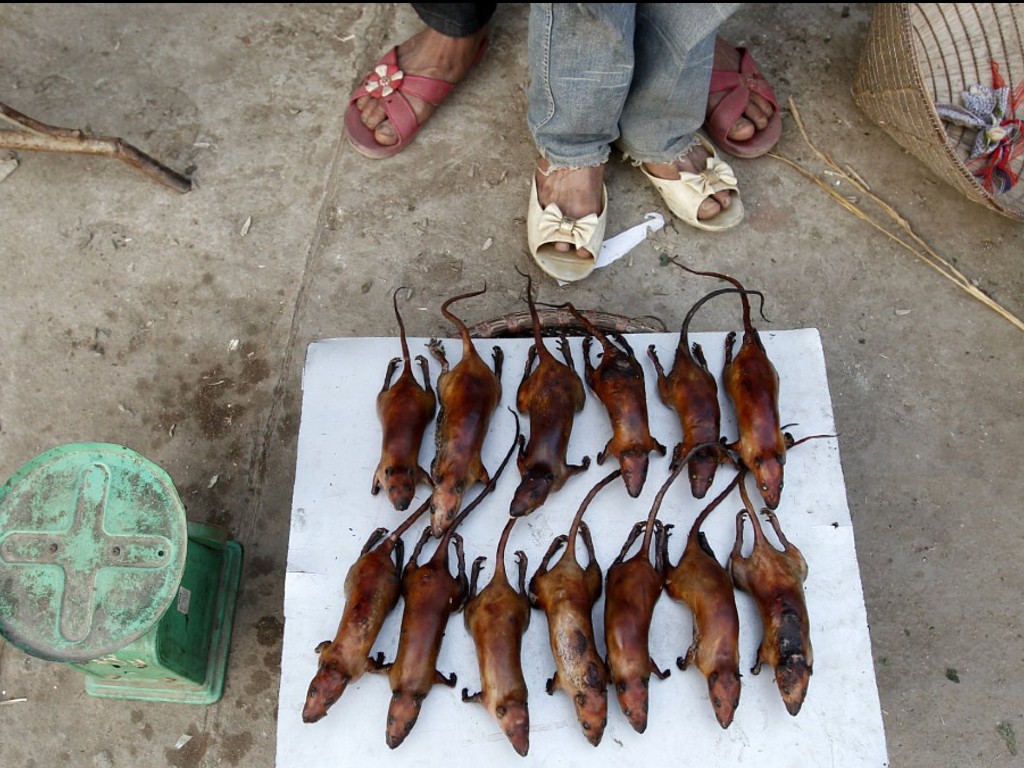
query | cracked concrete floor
[177, 324]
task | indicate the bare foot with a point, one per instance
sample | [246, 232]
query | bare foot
[577, 192]
[427, 53]
[694, 161]
[759, 109]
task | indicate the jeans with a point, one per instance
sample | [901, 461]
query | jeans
[455, 19]
[631, 74]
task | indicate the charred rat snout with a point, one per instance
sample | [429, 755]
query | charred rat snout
[326, 688]
[403, 712]
[514, 719]
[400, 485]
[532, 492]
[444, 503]
[634, 464]
[592, 710]
[793, 676]
[634, 699]
[701, 471]
[724, 690]
[768, 474]
[793, 670]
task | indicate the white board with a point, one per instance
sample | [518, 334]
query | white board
[333, 513]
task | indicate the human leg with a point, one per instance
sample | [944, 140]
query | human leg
[581, 62]
[666, 107]
[431, 62]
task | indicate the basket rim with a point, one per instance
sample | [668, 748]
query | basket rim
[901, 17]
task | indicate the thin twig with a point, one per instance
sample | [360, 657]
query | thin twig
[923, 250]
[34, 136]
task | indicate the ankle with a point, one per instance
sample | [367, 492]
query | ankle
[576, 191]
[443, 52]
[668, 171]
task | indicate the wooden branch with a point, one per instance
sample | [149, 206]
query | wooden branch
[923, 251]
[34, 136]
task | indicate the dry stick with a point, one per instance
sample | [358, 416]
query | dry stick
[926, 252]
[35, 136]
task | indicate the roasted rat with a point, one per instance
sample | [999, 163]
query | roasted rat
[551, 395]
[497, 617]
[704, 585]
[567, 592]
[404, 410]
[469, 394]
[632, 588]
[618, 381]
[775, 578]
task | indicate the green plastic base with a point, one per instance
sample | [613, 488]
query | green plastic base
[178, 688]
[92, 550]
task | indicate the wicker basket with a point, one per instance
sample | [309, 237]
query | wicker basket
[919, 55]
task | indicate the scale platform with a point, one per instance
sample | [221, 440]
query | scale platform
[100, 569]
[333, 513]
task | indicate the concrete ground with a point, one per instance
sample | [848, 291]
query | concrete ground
[176, 324]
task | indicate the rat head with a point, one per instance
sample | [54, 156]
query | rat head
[591, 703]
[792, 675]
[403, 711]
[767, 470]
[592, 713]
[633, 699]
[634, 470]
[326, 688]
[400, 483]
[701, 469]
[724, 690]
[532, 492]
[514, 719]
[445, 502]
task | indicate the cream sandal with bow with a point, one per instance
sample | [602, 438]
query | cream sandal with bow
[547, 226]
[685, 194]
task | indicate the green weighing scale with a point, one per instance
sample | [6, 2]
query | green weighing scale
[100, 569]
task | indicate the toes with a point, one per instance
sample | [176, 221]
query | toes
[756, 116]
[580, 253]
[709, 209]
[714, 205]
[374, 118]
[372, 113]
[763, 107]
[385, 135]
[743, 129]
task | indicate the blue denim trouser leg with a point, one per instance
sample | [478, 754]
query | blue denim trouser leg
[632, 73]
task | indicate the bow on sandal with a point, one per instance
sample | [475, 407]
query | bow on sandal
[389, 84]
[738, 85]
[684, 195]
[549, 225]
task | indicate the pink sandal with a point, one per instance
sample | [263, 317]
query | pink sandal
[389, 85]
[738, 86]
